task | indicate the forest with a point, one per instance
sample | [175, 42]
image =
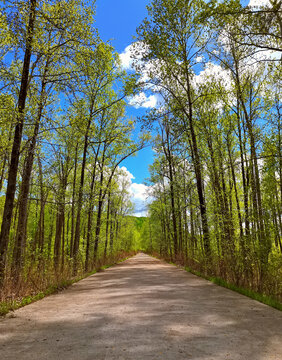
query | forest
[64, 133]
[216, 179]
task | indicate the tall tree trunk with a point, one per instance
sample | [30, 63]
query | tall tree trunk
[221, 213]
[90, 214]
[25, 185]
[265, 245]
[112, 225]
[102, 194]
[59, 227]
[99, 217]
[107, 224]
[60, 221]
[197, 165]
[167, 151]
[244, 175]
[41, 224]
[76, 240]
[5, 160]
[73, 203]
[15, 155]
[51, 230]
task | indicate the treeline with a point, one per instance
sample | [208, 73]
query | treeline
[64, 132]
[216, 180]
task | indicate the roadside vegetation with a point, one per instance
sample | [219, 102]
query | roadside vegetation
[216, 181]
[64, 132]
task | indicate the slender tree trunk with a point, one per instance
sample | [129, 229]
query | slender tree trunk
[25, 185]
[63, 246]
[43, 198]
[245, 186]
[107, 224]
[79, 200]
[167, 151]
[192, 225]
[100, 208]
[73, 203]
[60, 219]
[112, 230]
[265, 245]
[222, 214]
[231, 162]
[5, 160]
[197, 161]
[15, 155]
[90, 214]
[51, 230]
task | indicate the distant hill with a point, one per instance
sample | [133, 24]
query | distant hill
[139, 221]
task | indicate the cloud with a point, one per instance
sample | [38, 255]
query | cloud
[132, 58]
[125, 58]
[145, 70]
[138, 49]
[141, 100]
[213, 73]
[259, 3]
[127, 173]
[199, 59]
[139, 193]
[253, 60]
[140, 197]
[216, 76]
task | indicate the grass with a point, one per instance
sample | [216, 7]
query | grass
[265, 299]
[7, 306]
[268, 300]
[11, 305]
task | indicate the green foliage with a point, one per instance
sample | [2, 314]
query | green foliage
[268, 300]
[7, 306]
[216, 177]
[71, 201]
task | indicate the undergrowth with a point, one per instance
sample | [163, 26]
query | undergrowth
[265, 299]
[9, 303]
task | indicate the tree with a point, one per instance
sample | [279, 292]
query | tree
[15, 154]
[165, 40]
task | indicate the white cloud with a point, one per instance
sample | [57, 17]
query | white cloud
[145, 70]
[127, 173]
[255, 59]
[125, 58]
[138, 49]
[139, 193]
[256, 3]
[132, 59]
[215, 75]
[141, 100]
[268, 55]
[140, 198]
[213, 72]
[199, 59]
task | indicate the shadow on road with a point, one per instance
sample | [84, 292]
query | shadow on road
[143, 309]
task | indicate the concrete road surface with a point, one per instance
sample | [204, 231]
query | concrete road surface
[143, 309]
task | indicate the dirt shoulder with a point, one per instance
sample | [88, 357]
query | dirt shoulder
[143, 309]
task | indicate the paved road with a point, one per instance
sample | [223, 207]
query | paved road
[143, 309]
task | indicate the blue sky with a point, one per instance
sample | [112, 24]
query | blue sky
[118, 19]
[117, 22]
